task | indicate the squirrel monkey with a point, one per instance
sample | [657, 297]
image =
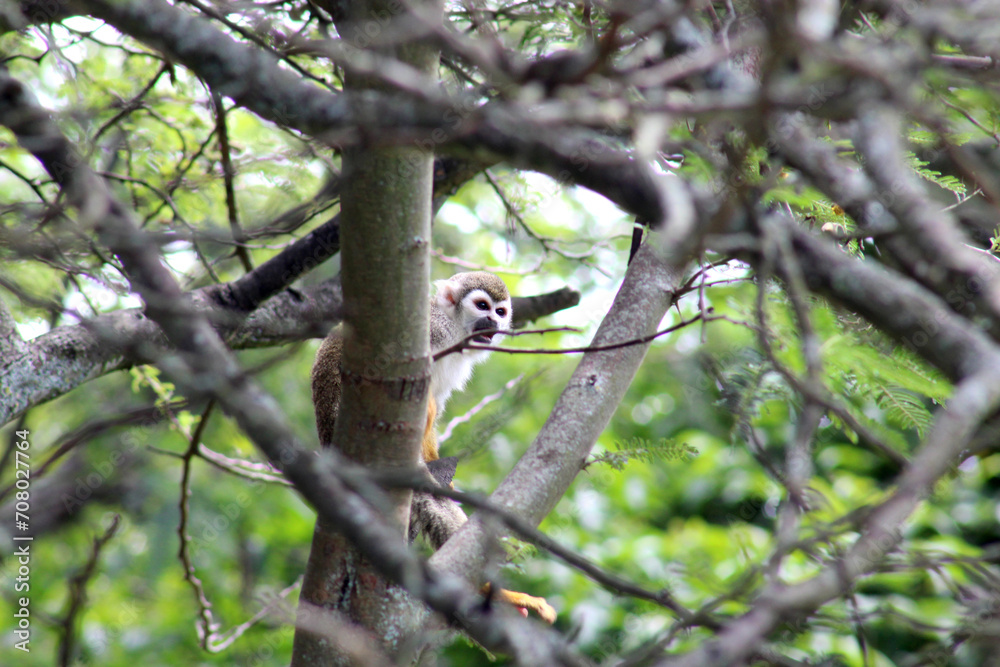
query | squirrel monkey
[462, 305]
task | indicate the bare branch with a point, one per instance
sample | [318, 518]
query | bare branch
[931, 238]
[253, 80]
[901, 308]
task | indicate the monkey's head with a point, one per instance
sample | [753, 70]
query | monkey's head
[475, 301]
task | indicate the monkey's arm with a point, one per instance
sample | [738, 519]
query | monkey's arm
[429, 446]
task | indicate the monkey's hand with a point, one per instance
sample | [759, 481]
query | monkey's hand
[525, 601]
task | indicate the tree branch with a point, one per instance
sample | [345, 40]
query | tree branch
[937, 253]
[253, 79]
[906, 311]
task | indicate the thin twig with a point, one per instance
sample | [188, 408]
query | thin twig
[465, 344]
[229, 175]
[78, 594]
[225, 640]
[209, 637]
[206, 623]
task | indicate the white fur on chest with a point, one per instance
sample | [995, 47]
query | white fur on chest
[451, 373]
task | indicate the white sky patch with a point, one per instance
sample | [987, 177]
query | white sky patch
[32, 328]
[969, 464]
[590, 312]
[553, 206]
[600, 207]
[460, 217]
[104, 32]
[77, 302]
[103, 298]
[53, 79]
[130, 301]
[180, 258]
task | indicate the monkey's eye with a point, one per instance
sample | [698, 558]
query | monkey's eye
[482, 305]
[501, 311]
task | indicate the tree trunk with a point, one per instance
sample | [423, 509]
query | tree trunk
[385, 236]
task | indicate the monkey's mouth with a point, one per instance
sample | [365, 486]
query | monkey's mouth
[483, 339]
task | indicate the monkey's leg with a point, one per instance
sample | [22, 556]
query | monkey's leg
[440, 518]
[525, 601]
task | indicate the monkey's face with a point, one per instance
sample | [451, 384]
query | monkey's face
[476, 301]
[481, 312]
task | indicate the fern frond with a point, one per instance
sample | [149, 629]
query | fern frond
[946, 182]
[904, 408]
[645, 451]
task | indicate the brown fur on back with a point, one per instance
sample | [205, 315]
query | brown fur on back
[326, 386]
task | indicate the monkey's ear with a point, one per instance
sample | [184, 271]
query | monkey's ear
[446, 294]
